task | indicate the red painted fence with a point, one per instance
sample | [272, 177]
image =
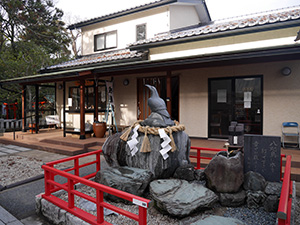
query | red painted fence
[199, 157]
[52, 186]
[285, 203]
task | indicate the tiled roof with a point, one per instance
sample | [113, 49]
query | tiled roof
[119, 55]
[234, 23]
[121, 13]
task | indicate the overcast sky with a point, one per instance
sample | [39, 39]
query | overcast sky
[218, 9]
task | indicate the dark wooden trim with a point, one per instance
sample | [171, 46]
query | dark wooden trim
[169, 93]
[84, 73]
[37, 108]
[82, 109]
[64, 108]
[23, 108]
[96, 101]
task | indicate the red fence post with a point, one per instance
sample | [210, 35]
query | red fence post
[98, 159]
[142, 216]
[70, 194]
[100, 213]
[284, 207]
[47, 185]
[198, 159]
[76, 166]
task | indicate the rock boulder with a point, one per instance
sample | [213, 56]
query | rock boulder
[180, 198]
[254, 182]
[225, 174]
[255, 199]
[131, 180]
[185, 172]
[218, 220]
[233, 199]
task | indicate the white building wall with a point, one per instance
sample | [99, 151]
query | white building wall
[281, 100]
[183, 16]
[157, 21]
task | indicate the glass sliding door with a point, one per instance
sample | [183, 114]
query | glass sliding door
[220, 107]
[235, 99]
[248, 104]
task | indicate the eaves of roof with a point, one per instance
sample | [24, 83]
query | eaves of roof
[126, 12]
[111, 57]
[293, 52]
[235, 26]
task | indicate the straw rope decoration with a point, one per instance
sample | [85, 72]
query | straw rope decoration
[154, 131]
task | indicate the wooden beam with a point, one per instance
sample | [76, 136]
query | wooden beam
[64, 108]
[84, 73]
[82, 109]
[37, 116]
[169, 92]
[96, 101]
[23, 108]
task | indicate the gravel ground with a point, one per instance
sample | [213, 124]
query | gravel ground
[246, 215]
[18, 168]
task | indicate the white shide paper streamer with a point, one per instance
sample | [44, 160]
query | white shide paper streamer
[166, 147]
[133, 142]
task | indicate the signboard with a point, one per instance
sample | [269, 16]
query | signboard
[262, 155]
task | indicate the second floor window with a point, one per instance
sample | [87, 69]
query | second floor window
[105, 41]
[141, 32]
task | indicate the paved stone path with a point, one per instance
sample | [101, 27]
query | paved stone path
[10, 149]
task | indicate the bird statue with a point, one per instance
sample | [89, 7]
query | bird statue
[159, 116]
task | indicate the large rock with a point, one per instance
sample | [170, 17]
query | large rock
[254, 182]
[273, 188]
[255, 199]
[271, 203]
[131, 180]
[185, 172]
[117, 153]
[218, 220]
[180, 198]
[233, 199]
[225, 174]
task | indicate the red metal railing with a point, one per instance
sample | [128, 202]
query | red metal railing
[51, 186]
[285, 203]
[199, 157]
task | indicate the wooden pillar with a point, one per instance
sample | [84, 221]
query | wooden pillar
[23, 108]
[64, 107]
[96, 101]
[37, 118]
[82, 109]
[169, 93]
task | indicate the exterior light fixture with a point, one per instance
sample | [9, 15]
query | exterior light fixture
[125, 82]
[286, 71]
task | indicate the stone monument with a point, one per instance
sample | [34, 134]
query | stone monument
[157, 144]
[262, 155]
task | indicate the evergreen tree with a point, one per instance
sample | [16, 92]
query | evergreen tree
[32, 36]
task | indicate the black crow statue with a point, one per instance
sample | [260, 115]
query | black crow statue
[159, 116]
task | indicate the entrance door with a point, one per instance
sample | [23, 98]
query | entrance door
[161, 86]
[235, 99]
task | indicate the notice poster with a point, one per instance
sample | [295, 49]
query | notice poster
[247, 96]
[247, 105]
[222, 96]
[247, 99]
